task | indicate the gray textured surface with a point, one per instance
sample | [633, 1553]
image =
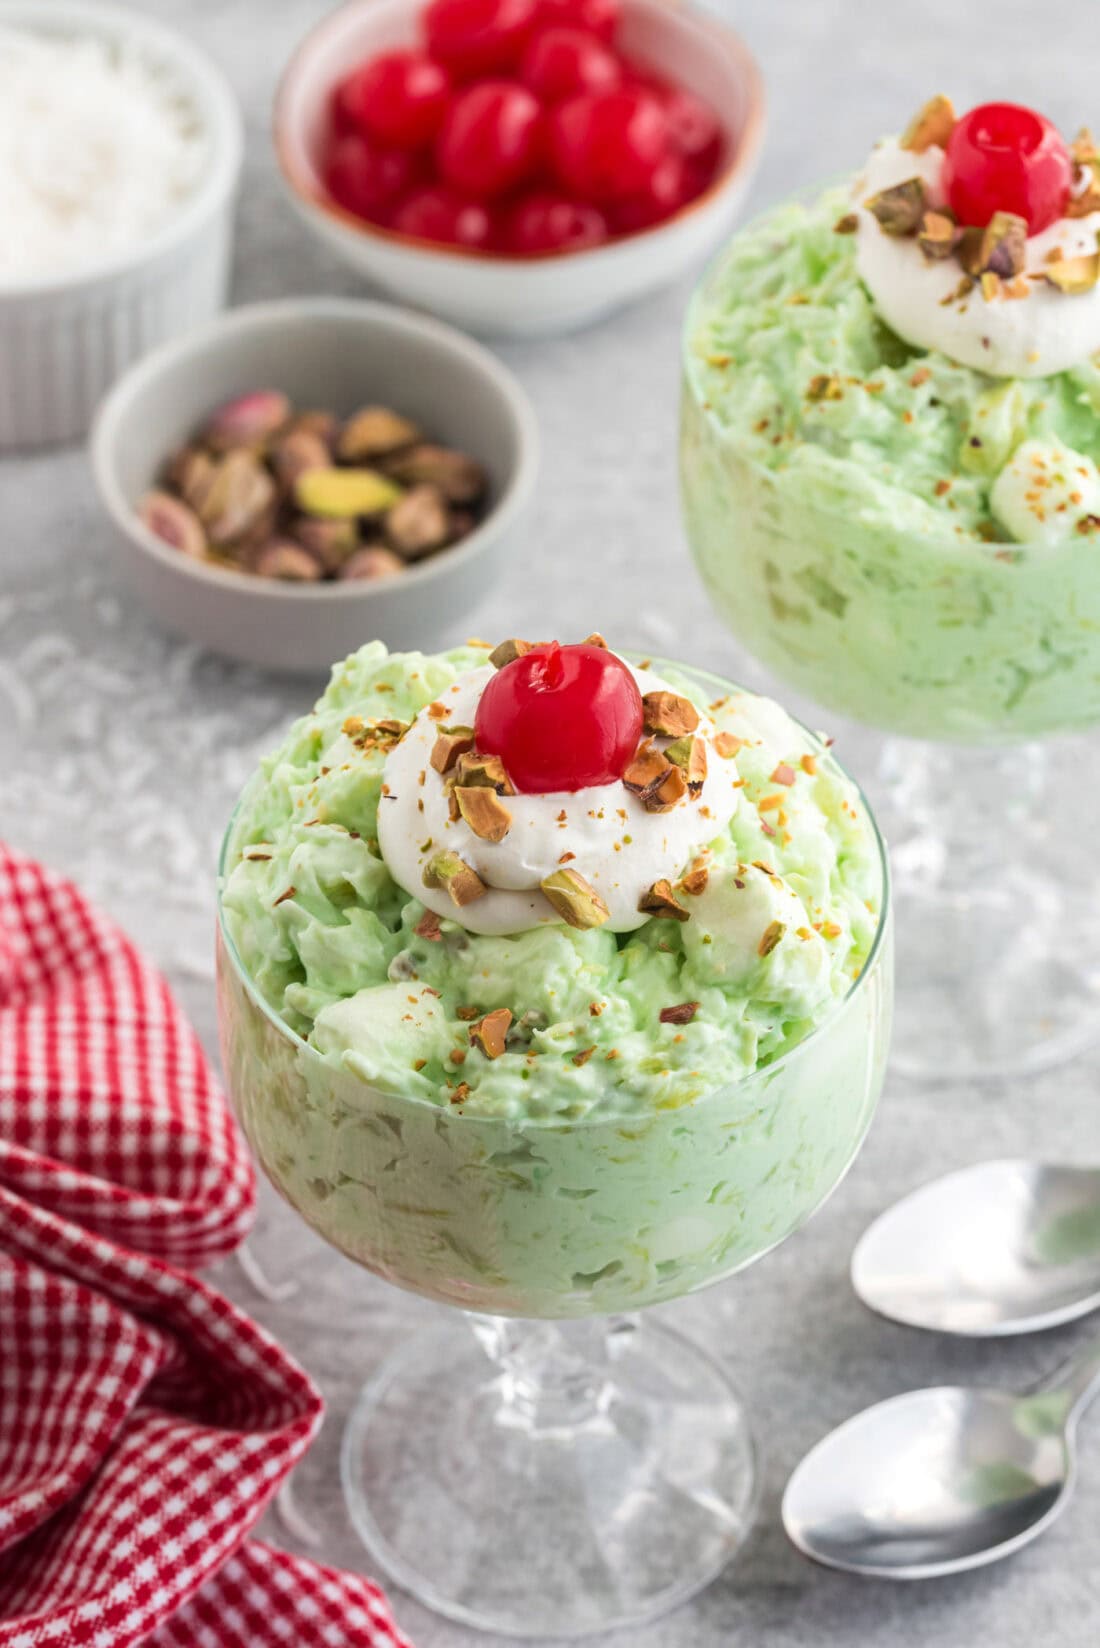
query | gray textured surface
[122, 751]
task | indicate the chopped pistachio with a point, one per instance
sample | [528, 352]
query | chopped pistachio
[489, 1033]
[669, 714]
[727, 745]
[473, 771]
[846, 225]
[428, 927]
[991, 285]
[575, 899]
[770, 937]
[508, 651]
[938, 235]
[933, 124]
[690, 755]
[898, 210]
[1074, 275]
[823, 387]
[682, 1013]
[660, 900]
[595, 640]
[484, 812]
[1004, 245]
[647, 769]
[450, 743]
[451, 872]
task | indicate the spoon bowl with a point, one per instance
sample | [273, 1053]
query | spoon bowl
[939, 1481]
[1003, 1247]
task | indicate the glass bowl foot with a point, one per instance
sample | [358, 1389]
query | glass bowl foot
[549, 1479]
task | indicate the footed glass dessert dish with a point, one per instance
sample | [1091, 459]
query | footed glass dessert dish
[554, 1112]
[889, 474]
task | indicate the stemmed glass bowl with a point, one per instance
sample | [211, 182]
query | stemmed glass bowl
[969, 656]
[564, 1467]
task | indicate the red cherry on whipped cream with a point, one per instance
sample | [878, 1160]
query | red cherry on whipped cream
[1002, 157]
[561, 718]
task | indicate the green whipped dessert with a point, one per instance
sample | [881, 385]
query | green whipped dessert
[889, 450]
[551, 1050]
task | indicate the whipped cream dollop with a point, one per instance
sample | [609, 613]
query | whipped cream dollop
[1029, 336]
[603, 833]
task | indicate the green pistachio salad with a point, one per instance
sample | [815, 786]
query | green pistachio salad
[891, 433]
[551, 982]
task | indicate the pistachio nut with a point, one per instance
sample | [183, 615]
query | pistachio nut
[373, 562]
[933, 124]
[293, 453]
[575, 899]
[460, 479]
[374, 432]
[452, 873]
[898, 210]
[345, 492]
[284, 559]
[250, 420]
[331, 541]
[419, 523]
[174, 523]
[237, 497]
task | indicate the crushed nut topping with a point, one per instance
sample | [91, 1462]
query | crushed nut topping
[483, 811]
[669, 715]
[575, 899]
[428, 927]
[462, 883]
[489, 1033]
[690, 755]
[931, 125]
[727, 744]
[450, 743]
[899, 209]
[508, 651]
[771, 936]
[683, 1013]
[660, 900]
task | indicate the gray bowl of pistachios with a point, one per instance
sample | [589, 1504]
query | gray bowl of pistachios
[296, 478]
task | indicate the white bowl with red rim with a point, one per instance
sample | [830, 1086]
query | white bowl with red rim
[490, 292]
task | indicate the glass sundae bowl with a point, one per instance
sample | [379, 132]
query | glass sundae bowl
[845, 495]
[546, 1460]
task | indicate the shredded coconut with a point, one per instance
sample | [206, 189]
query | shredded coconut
[97, 151]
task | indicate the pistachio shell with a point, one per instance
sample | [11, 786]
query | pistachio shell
[419, 523]
[237, 497]
[174, 523]
[332, 542]
[284, 559]
[294, 453]
[250, 420]
[345, 492]
[373, 432]
[460, 479]
[371, 563]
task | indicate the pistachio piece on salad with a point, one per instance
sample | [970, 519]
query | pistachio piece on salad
[933, 124]
[345, 492]
[1004, 245]
[456, 877]
[374, 432]
[250, 420]
[460, 479]
[1074, 275]
[938, 235]
[450, 743]
[372, 562]
[483, 772]
[690, 755]
[770, 937]
[489, 1033]
[507, 651]
[648, 769]
[575, 899]
[660, 900]
[898, 210]
[668, 714]
[483, 811]
[419, 523]
[174, 523]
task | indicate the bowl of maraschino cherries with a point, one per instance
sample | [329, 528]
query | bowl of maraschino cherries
[520, 166]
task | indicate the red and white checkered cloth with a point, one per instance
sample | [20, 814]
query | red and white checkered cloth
[144, 1421]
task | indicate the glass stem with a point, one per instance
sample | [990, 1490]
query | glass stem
[952, 812]
[553, 1376]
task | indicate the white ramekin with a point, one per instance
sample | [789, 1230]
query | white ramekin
[65, 338]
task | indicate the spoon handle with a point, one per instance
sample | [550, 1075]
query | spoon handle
[1077, 1381]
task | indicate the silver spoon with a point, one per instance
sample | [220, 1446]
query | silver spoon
[938, 1481]
[1002, 1247]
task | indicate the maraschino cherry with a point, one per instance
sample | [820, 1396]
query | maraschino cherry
[1002, 157]
[561, 718]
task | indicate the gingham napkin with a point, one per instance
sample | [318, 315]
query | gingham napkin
[144, 1421]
